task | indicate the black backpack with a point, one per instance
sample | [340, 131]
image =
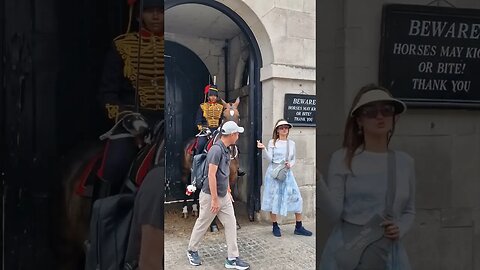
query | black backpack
[199, 170]
[109, 232]
[114, 226]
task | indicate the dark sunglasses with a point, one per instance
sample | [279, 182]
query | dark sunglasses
[372, 111]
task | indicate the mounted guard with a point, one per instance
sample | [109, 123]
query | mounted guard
[133, 77]
[209, 119]
[132, 91]
[133, 81]
[209, 116]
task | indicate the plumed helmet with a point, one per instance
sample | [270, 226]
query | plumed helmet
[211, 90]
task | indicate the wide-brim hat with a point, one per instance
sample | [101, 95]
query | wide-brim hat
[283, 122]
[378, 95]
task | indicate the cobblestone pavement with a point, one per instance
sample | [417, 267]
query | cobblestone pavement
[256, 243]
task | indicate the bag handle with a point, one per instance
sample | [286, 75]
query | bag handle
[391, 184]
[288, 151]
[286, 154]
[391, 190]
[273, 151]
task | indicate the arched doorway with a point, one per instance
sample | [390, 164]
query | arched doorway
[251, 90]
[184, 71]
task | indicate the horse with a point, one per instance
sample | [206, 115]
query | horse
[230, 113]
[80, 178]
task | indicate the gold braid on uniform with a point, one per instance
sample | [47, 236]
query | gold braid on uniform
[212, 113]
[112, 110]
[151, 86]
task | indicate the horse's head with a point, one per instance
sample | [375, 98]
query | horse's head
[230, 111]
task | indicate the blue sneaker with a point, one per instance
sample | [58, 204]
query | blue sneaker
[193, 258]
[236, 264]
[276, 231]
[302, 231]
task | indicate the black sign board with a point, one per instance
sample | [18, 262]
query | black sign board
[430, 56]
[300, 109]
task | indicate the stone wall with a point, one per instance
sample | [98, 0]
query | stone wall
[290, 26]
[285, 32]
[210, 51]
[444, 143]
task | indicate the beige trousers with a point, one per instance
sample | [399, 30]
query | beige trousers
[226, 215]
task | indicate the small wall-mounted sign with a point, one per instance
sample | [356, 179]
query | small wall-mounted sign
[300, 109]
[430, 55]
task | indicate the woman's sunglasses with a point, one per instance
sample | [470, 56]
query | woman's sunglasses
[372, 111]
[283, 127]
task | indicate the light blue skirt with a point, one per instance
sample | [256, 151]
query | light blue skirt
[397, 259]
[281, 197]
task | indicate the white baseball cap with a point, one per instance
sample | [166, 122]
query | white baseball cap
[231, 127]
[379, 95]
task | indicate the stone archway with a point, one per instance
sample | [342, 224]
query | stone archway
[260, 50]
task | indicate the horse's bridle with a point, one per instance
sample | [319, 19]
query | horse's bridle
[231, 118]
[231, 112]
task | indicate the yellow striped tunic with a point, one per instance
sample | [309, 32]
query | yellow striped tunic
[145, 62]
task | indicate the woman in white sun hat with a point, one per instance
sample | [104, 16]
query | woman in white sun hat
[282, 196]
[370, 189]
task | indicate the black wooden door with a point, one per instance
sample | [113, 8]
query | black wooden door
[29, 71]
[53, 54]
[186, 76]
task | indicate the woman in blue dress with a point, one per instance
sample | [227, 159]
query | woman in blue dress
[281, 197]
[358, 185]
